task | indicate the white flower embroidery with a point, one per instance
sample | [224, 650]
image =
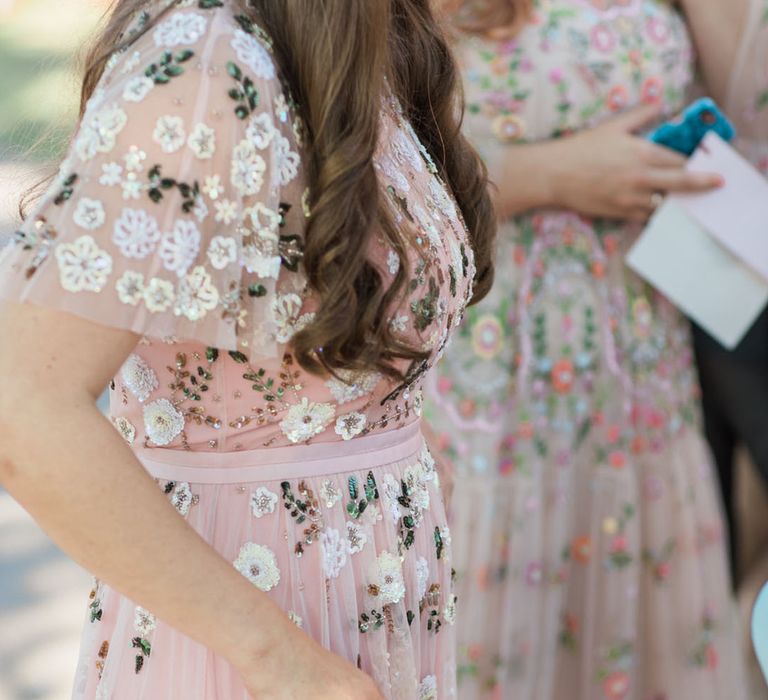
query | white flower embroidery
[222, 251]
[226, 211]
[144, 622]
[286, 161]
[136, 233]
[253, 54]
[179, 29]
[393, 262]
[213, 186]
[356, 538]
[305, 420]
[405, 149]
[442, 198]
[130, 287]
[263, 502]
[248, 169]
[389, 578]
[450, 609]
[399, 323]
[111, 174]
[329, 493]
[125, 428]
[350, 385]
[196, 295]
[417, 488]
[334, 552]
[131, 62]
[169, 133]
[259, 262]
[182, 498]
[428, 688]
[202, 141]
[281, 107]
[89, 213]
[99, 131]
[83, 266]
[286, 309]
[158, 295]
[422, 577]
[139, 377]
[134, 159]
[392, 491]
[162, 422]
[136, 89]
[132, 187]
[200, 209]
[350, 424]
[261, 130]
[259, 565]
[179, 248]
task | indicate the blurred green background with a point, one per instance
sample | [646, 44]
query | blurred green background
[43, 594]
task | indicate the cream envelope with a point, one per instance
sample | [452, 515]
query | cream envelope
[704, 280]
[736, 214]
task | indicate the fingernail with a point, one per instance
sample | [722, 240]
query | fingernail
[719, 181]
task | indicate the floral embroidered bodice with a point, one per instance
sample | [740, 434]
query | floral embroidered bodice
[179, 213]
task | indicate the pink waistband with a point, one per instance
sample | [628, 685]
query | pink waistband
[279, 463]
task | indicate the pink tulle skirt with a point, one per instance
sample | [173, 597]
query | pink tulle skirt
[349, 538]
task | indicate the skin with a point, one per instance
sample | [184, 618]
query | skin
[608, 171]
[53, 440]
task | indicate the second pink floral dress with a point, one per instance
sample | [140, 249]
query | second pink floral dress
[179, 214]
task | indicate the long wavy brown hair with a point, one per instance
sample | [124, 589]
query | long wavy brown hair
[488, 16]
[337, 57]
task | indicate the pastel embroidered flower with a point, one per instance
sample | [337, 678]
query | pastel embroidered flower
[259, 565]
[89, 213]
[169, 133]
[111, 174]
[350, 424]
[389, 578]
[251, 52]
[144, 622]
[158, 295]
[226, 211]
[393, 262]
[162, 422]
[125, 428]
[286, 309]
[248, 167]
[349, 385]
[222, 251]
[263, 502]
[330, 494]
[196, 295]
[136, 89]
[286, 161]
[181, 28]
[136, 233]
[99, 131]
[179, 247]
[202, 141]
[305, 420]
[428, 688]
[181, 498]
[356, 537]
[334, 549]
[422, 577]
[139, 378]
[130, 287]
[261, 130]
[83, 266]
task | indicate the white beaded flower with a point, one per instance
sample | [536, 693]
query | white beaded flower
[159, 295]
[181, 498]
[334, 548]
[222, 251]
[389, 578]
[259, 565]
[450, 609]
[89, 213]
[83, 266]
[422, 577]
[125, 428]
[263, 502]
[179, 247]
[356, 537]
[196, 295]
[162, 422]
[202, 141]
[350, 424]
[181, 28]
[428, 688]
[139, 377]
[305, 420]
[99, 131]
[251, 52]
[169, 133]
[349, 385]
[144, 622]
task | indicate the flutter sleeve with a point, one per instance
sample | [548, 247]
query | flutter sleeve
[177, 211]
[747, 98]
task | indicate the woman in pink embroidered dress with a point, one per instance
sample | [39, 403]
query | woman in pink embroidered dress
[254, 233]
[588, 537]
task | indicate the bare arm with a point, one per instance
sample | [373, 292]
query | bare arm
[717, 27]
[63, 461]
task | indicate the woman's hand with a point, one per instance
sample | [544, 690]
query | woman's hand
[610, 172]
[297, 667]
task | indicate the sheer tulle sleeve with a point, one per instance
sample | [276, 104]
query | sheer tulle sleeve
[178, 210]
[747, 99]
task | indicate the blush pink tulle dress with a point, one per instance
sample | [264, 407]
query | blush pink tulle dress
[179, 214]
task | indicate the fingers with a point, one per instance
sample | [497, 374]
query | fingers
[679, 180]
[662, 157]
[636, 119]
